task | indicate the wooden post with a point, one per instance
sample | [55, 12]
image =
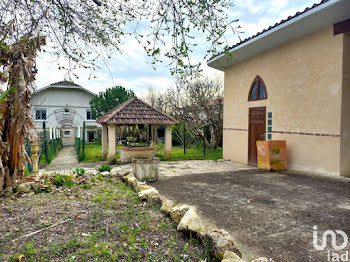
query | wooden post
[104, 142]
[168, 141]
[111, 144]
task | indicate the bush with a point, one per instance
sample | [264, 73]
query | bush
[63, 181]
[79, 171]
[104, 168]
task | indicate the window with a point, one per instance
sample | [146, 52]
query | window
[257, 90]
[89, 115]
[66, 133]
[66, 110]
[40, 114]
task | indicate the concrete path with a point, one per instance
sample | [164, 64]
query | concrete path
[65, 157]
[269, 214]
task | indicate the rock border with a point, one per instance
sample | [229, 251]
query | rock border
[218, 241]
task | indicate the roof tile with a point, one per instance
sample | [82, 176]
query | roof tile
[134, 112]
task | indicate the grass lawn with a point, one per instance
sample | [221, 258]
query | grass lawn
[93, 153]
[107, 223]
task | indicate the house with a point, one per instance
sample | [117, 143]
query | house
[64, 106]
[292, 82]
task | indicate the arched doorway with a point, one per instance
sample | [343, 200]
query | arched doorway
[256, 118]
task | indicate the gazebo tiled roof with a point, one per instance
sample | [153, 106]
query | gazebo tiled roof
[135, 112]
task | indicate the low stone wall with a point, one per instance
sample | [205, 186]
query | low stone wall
[128, 153]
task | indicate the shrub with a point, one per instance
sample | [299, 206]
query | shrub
[104, 168]
[63, 181]
[79, 171]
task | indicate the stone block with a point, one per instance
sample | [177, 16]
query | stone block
[191, 222]
[146, 169]
[219, 242]
[177, 212]
[167, 206]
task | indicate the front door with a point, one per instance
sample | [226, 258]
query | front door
[256, 131]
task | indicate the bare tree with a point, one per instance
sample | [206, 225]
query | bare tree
[198, 103]
[84, 31]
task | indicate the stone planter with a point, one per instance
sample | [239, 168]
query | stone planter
[146, 170]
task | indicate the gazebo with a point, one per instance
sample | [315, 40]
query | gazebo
[130, 113]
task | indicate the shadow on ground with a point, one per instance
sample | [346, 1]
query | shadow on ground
[269, 214]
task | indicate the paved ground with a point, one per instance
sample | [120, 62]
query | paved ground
[269, 214]
[65, 157]
[67, 160]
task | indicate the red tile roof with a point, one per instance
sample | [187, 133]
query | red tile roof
[135, 112]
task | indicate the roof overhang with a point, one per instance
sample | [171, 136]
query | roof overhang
[314, 20]
[64, 87]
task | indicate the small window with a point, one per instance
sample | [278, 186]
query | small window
[40, 114]
[66, 110]
[89, 115]
[66, 133]
[257, 90]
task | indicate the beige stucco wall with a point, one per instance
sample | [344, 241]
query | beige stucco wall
[304, 82]
[345, 127]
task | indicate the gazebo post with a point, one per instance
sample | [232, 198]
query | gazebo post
[111, 143]
[168, 141]
[104, 142]
[148, 133]
[154, 134]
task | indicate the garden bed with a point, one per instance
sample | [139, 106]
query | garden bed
[108, 223]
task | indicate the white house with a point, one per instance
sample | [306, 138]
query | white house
[64, 107]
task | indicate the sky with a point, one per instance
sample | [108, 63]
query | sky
[132, 70]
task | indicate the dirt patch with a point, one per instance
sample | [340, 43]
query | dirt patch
[109, 224]
[269, 214]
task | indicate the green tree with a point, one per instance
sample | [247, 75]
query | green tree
[106, 101]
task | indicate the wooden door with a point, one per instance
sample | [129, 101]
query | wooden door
[256, 131]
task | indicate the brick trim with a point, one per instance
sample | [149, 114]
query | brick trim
[137, 148]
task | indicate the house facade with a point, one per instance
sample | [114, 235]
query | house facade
[64, 108]
[292, 82]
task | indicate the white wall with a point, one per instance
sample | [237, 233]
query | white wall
[59, 98]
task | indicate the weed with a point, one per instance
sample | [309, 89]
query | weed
[86, 186]
[79, 171]
[63, 181]
[103, 168]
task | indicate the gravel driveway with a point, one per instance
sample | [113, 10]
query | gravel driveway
[269, 214]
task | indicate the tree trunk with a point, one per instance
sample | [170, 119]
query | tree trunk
[14, 125]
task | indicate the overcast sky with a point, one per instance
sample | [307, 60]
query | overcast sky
[131, 70]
